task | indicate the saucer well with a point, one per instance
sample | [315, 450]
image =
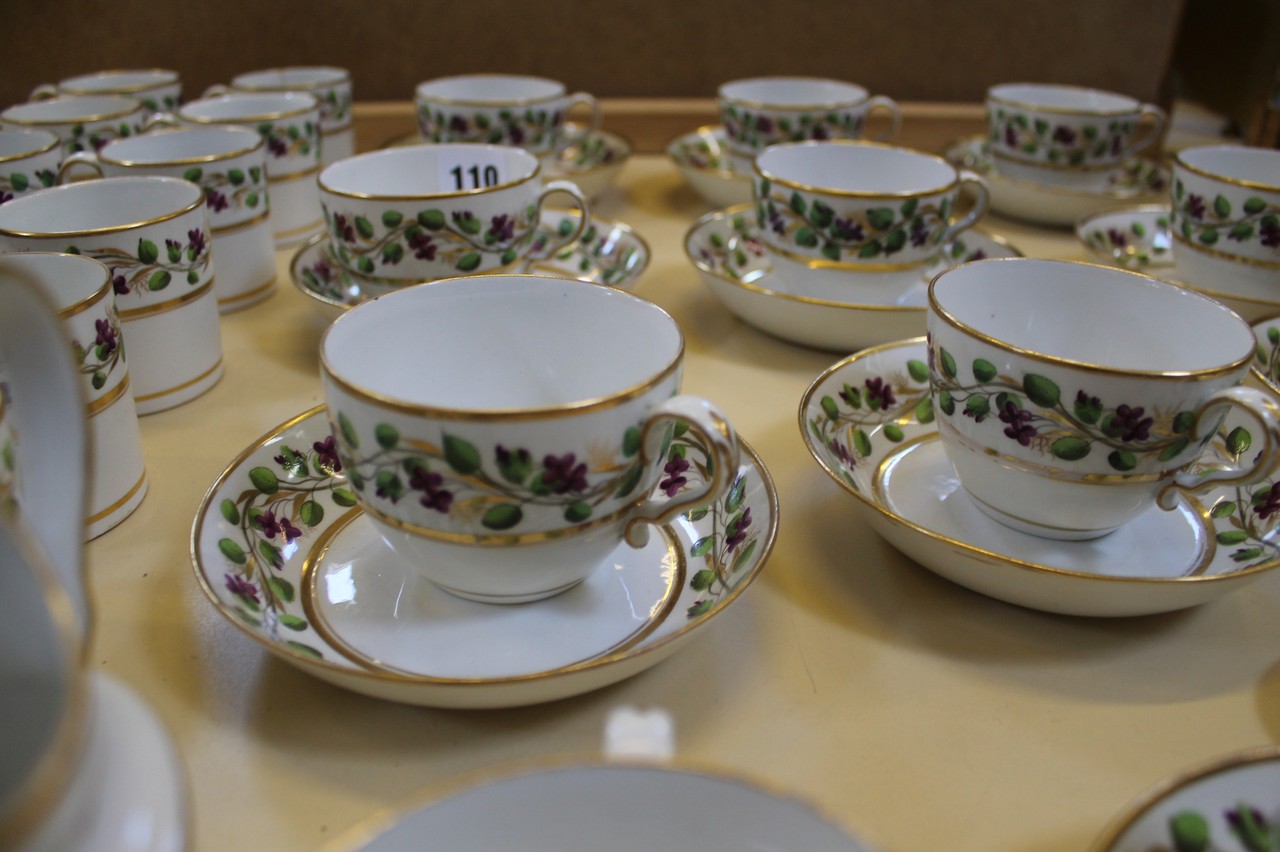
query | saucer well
[724, 248]
[869, 422]
[1139, 238]
[1135, 181]
[704, 159]
[282, 551]
[608, 253]
[1228, 804]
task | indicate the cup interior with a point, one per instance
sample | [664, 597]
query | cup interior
[504, 343]
[73, 108]
[92, 205]
[495, 89]
[855, 168]
[67, 279]
[22, 143]
[792, 92]
[1091, 316]
[422, 170]
[1258, 166]
[134, 80]
[247, 106]
[284, 78]
[179, 144]
[1047, 96]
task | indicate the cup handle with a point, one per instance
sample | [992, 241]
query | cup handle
[982, 202]
[1158, 118]
[571, 139]
[43, 92]
[890, 106]
[584, 212]
[710, 425]
[216, 90]
[88, 159]
[160, 120]
[1259, 405]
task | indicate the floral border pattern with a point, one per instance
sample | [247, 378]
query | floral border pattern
[145, 270]
[16, 183]
[1199, 220]
[233, 189]
[529, 128]
[1059, 143]
[759, 130]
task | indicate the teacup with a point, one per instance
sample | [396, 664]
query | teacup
[763, 111]
[153, 235]
[28, 161]
[406, 215]
[858, 221]
[1068, 136]
[82, 122]
[229, 164]
[79, 289]
[289, 122]
[510, 474]
[158, 89]
[330, 86]
[502, 109]
[1225, 219]
[1071, 398]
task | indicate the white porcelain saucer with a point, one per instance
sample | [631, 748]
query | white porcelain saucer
[1135, 181]
[1139, 238]
[704, 159]
[129, 793]
[592, 164]
[608, 253]
[1215, 808]
[725, 250]
[619, 806]
[868, 421]
[316, 585]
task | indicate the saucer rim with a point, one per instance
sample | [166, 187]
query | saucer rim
[716, 131]
[1169, 786]
[637, 652]
[756, 289]
[993, 176]
[315, 240]
[806, 402]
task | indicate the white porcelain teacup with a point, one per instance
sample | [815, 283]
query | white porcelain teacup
[858, 221]
[1067, 136]
[1225, 220]
[153, 234]
[158, 89]
[229, 164]
[1071, 397]
[406, 215]
[82, 122]
[503, 109]
[29, 160]
[762, 111]
[511, 469]
[329, 85]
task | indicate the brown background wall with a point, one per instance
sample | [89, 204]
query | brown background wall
[931, 50]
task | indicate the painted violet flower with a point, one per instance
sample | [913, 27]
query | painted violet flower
[1019, 420]
[676, 479]
[563, 475]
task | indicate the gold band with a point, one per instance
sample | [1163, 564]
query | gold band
[217, 366]
[849, 266]
[172, 304]
[250, 294]
[128, 495]
[105, 401]
[240, 226]
[292, 176]
[1058, 167]
[297, 232]
[1218, 253]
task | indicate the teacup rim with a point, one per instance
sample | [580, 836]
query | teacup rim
[993, 95]
[313, 106]
[79, 305]
[258, 142]
[66, 84]
[128, 106]
[1179, 159]
[828, 104]
[856, 193]
[563, 90]
[53, 142]
[342, 76]
[505, 415]
[196, 204]
[385, 153]
[936, 309]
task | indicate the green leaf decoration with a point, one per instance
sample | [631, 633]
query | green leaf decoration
[736, 494]
[978, 406]
[1254, 205]
[432, 220]
[251, 200]
[895, 241]
[1175, 449]
[1222, 207]
[831, 251]
[175, 252]
[1242, 231]
[232, 551]
[830, 408]
[806, 237]
[1223, 509]
[391, 218]
[797, 204]
[631, 442]
[1209, 236]
[393, 253]
[1122, 460]
[469, 225]
[461, 455]
[946, 403]
[1088, 410]
[364, 227]
[147, 252]
[765, 186]
[862, 442]
[909, 207]
[344, 497]
[702, 580]
[1184, 421]
[1189, 831]
[229, 511]
[630, 481]
[1230, 537]
[386, 435]
[235, 176]
[270, 553]
[893, 433]
[264, 479]
[918, 370]
[1238, 441]
[880, 218]
[292, 622]
[1246, 554]
[281, 588]
[1004, 400]
[348, 431]
[1071, 448]
[1041, 391]
[1273, 335]
[510, 255]
[311, 513]
[871, 249]
[947, 362]
[366, 265]
[469, 261]
[983, 370]
[703, 546]
[924, 411]
[821, 215]
[577, 512]
[194, 174]
[305, 650]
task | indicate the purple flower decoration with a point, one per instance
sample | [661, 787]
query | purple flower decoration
[1010, 137]
[120, 285]
[675, 480]
[268, 524]
[776, 222]
[919, 233]
[1269, 231]
[1135, 426]
[322, 270]
[423, 246]
[879, 394]
[1117, 237]
[737, 531]
[502, 227]
[343, 228]
[1270, 503]
[764, 124]
[106, 336]
[5, 196]
[434, 496]
[458, 125]
[216, 200]
[842, 453]
[847, 230]
[1019, 426]
[327, 454]
[819, 132]
[276, 146]
[241, 587]
[516, 134]
[1195, 206]
[1064, 135]
[564, 473]
[196, 242]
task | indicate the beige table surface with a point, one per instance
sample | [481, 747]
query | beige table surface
[921, 715]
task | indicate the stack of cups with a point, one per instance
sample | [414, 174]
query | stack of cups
[331, 87]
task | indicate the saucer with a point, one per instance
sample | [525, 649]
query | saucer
[130, 791]
[318, 587]
[743, 280]
[592, 164]
[623, 806]
[608, 253]
[893, 462]
[1139, 238]
[703, 157]
[1205, 808]
[1134, 181]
